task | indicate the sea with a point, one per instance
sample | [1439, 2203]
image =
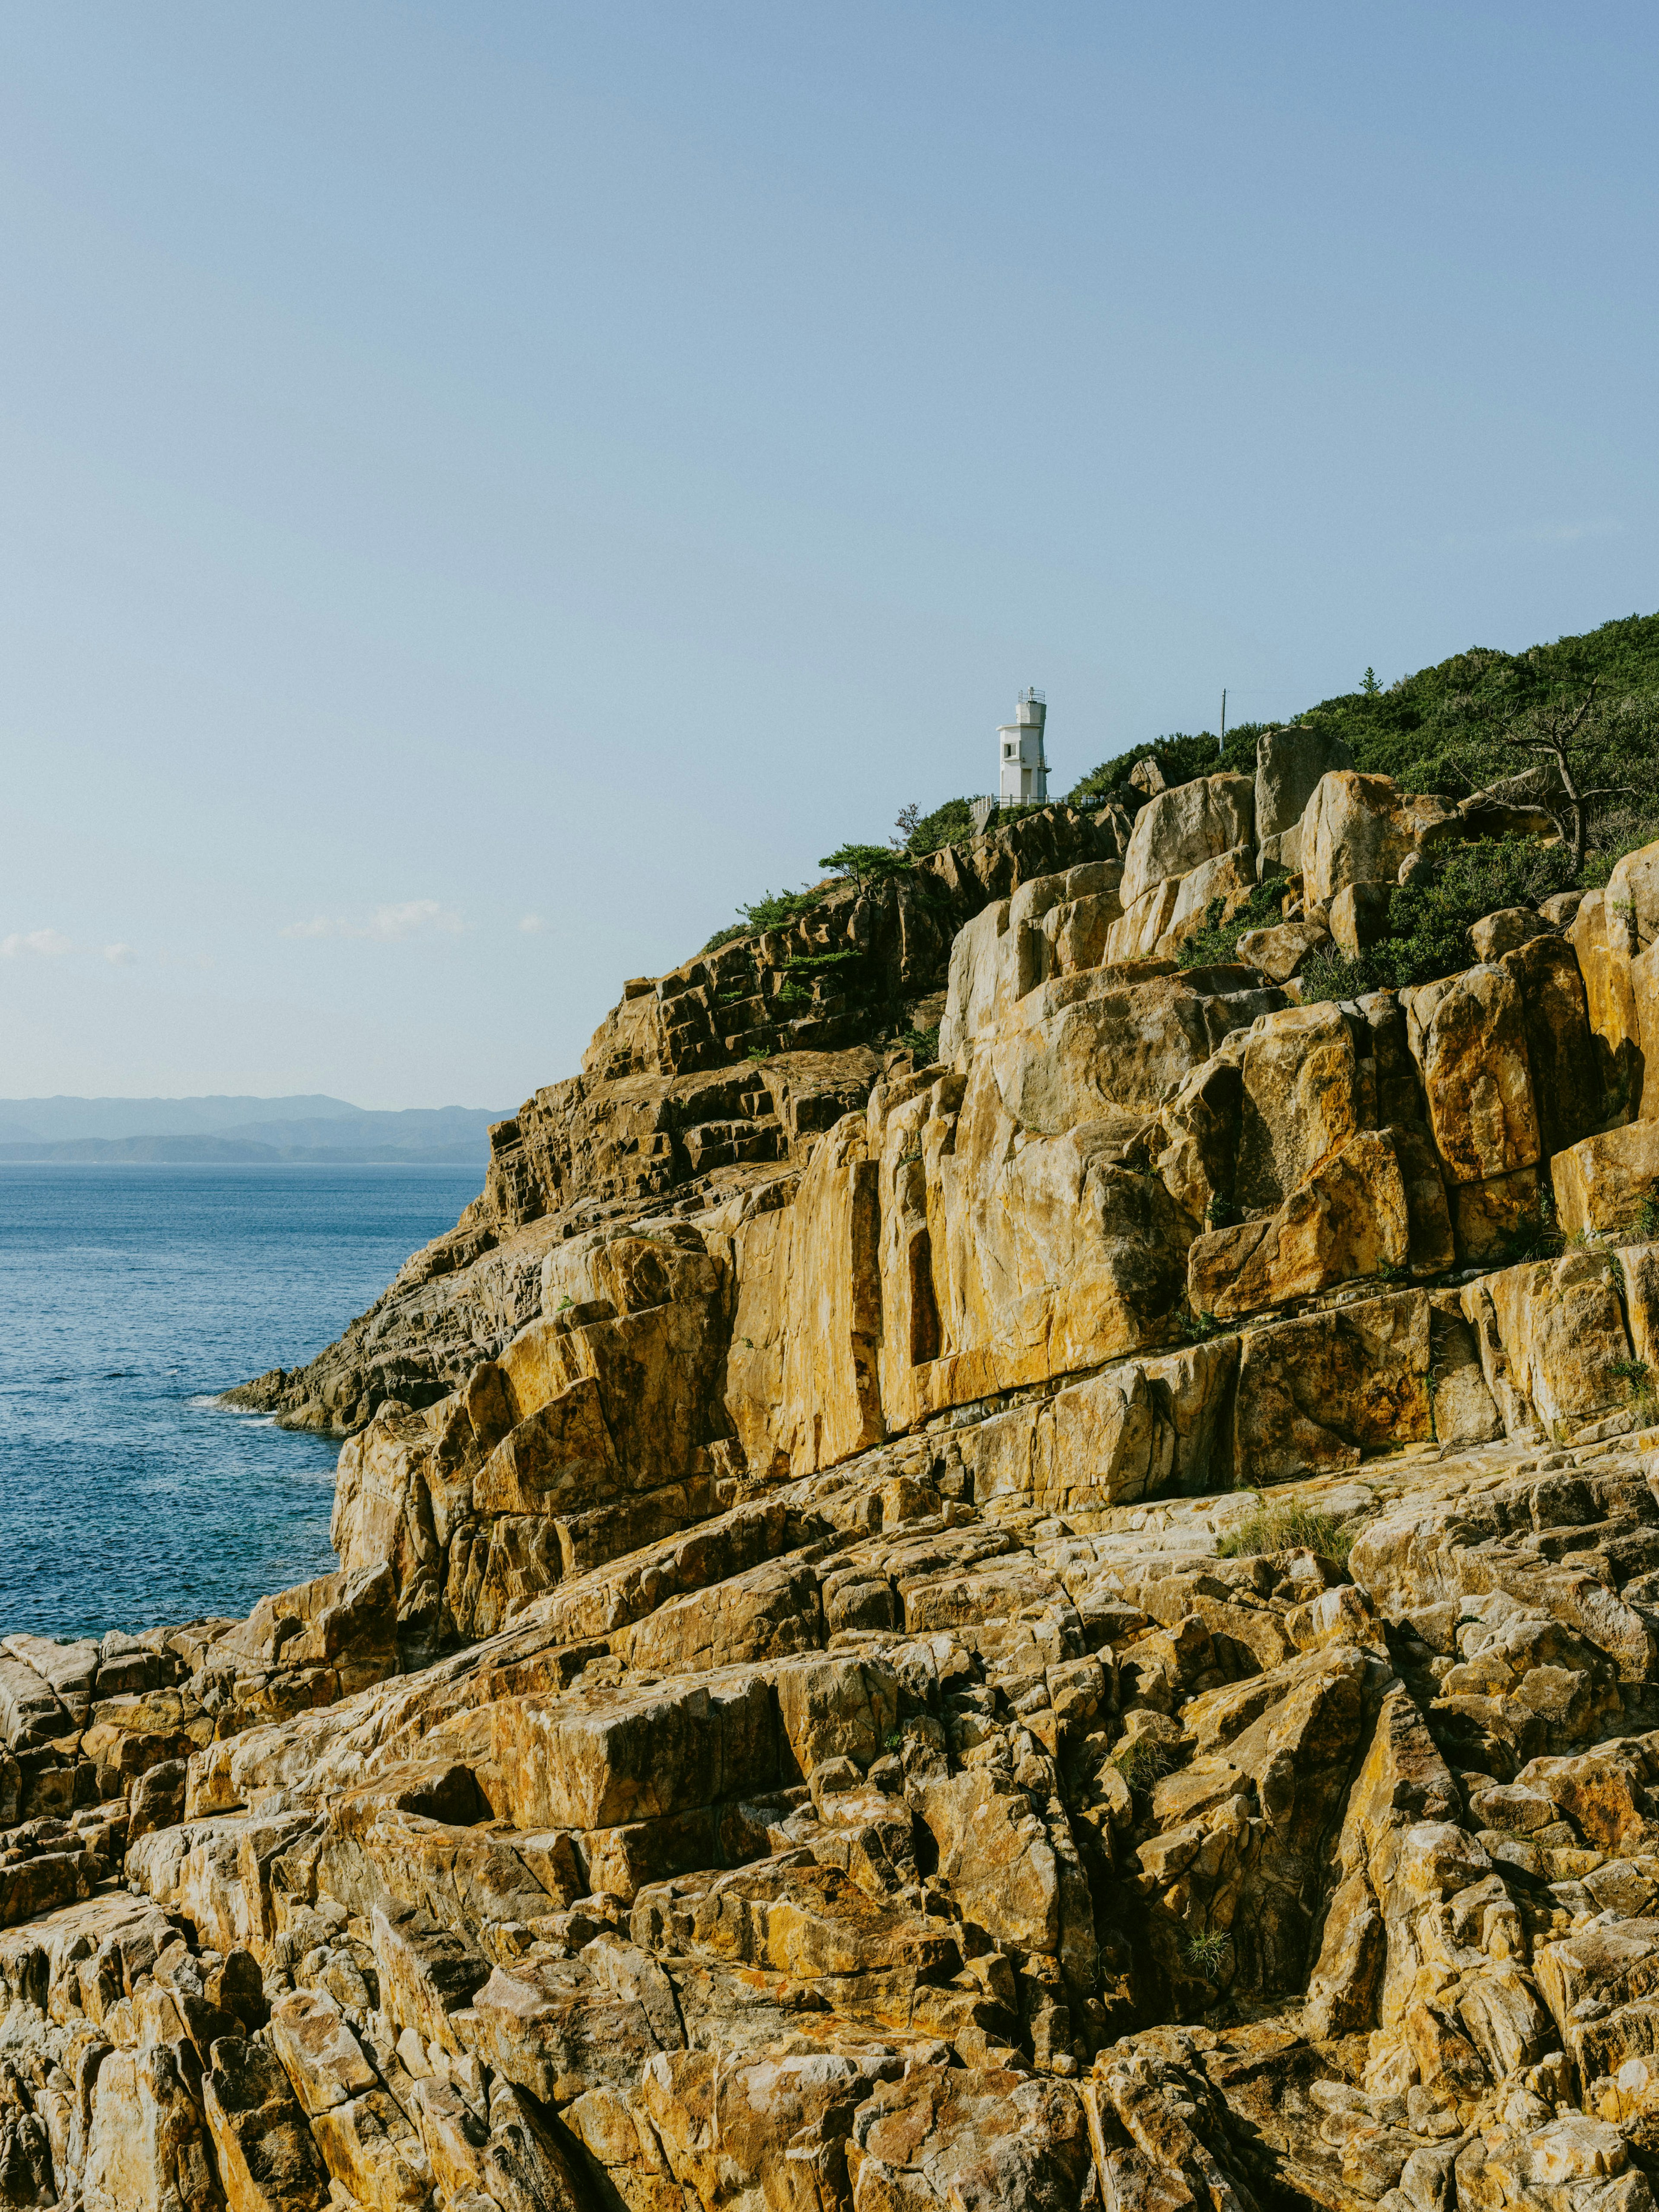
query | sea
[129, 1297]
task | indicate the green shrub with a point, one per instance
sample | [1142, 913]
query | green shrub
[923, 1043]
[1181, 758]
[1215, 943]
[1333, 975]
[1290, 1526]
[949, 825]
[864, 864]
[772, 910]
[1426, 934]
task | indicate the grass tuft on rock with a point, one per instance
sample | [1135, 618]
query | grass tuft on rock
[1292, 1526]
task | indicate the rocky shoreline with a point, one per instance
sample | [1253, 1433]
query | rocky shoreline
[1066, 1614]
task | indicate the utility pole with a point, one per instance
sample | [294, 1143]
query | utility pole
[1222, 746]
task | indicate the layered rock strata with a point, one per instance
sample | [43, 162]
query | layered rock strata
[1076, 1626]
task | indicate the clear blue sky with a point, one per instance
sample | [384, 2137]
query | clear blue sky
[488, 487]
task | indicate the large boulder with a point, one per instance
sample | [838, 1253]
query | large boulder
[1180, 829]
[1349, 1218]
[1289, 764]
[1468, 1037]
[1321, 1392]
[1599, 938]
[1553, 1339]
[1360, 829]
[1566, 1072]
[1603, 1182]
[1298, 1103]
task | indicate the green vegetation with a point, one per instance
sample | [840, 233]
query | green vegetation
[1141, 1764]
[772, 910]
[1644, 1400]
[950, 824]
[1290, 1526]
[866, 864]
[923, 1043]
[1216, 943]
[1586, 705]
[1429, 918]
[1481, 717]
[1181, 759]
[1206, 1953]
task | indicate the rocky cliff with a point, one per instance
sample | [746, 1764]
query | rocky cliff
[1070, 1621]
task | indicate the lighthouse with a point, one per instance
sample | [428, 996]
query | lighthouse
[1024, 770]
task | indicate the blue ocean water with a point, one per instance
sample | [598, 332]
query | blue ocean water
[129, 1297]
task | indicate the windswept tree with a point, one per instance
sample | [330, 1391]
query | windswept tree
[1575, 745]
[864, 863]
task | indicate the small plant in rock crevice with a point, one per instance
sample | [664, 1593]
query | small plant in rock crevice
[1194, 1327]
[1292, 1527]
[1205, 1953]
[1643, 1398]
[1142, 1763]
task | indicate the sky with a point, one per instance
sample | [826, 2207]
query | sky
[486, 488]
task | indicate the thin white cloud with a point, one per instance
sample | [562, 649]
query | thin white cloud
[387, 925]
[533, 925]
[48, 943]
[1533, 533]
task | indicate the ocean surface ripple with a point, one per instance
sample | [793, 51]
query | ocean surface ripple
[129, 1298]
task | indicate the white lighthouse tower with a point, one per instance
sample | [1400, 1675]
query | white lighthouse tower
[1024, 770]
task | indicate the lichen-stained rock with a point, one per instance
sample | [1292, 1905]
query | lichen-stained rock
[1280, 951]
[996, 1857]
[267, 2159]
[1135, 937]
[1632, 896]
[1349, 1218]
[1490, 1220]
[1566, 1072]
[1228, 878]
[557, 1455]
[1495, 934]
[29, 1710]
[942, 2137]
[595, 1760]
[1602, 1987]
[1289, 764]
[1178, 831]
[553, 2028]
[1085, 1044]
[975, 996]
[1600, 936]
[1319, 1391]
[1357, 829]
[1048, 1253]
[1465, 1411]
[1399, 1825]
[1468, 1038]
[1432, 1247]
[802, 1388]
[1552, 1337]
[1603, 1182]
[1298, 1076]
[147, 2148]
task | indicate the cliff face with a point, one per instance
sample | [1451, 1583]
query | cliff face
[1076, 1626]
[697, 1086]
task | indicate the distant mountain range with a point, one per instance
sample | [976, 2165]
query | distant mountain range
[315, 1131]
